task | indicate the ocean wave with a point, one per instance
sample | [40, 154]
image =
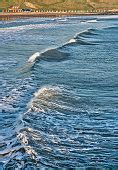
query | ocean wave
[78, 41]
[52, 98]
[54, 130]
[92, 21]
[57, 54]
[33, 57]
[88, 32]
[43, 98]
[82, 38]
[112, 28]
[27, 27]
[50, 55]
[89, 21]
[81, 41]
[73, 40]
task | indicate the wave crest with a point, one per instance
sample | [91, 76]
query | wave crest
[56, 54]
[50, 55]
[52, 98]
[34, 57]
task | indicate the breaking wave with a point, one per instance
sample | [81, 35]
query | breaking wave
[60, 125]
[51, 55]
[34, 57]
[57, 54]
[92, 21]
[51, 98]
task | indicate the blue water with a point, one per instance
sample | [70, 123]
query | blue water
[59, 93]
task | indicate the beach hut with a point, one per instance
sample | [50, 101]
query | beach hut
[27, 10]
[5, 10]
[14, 9]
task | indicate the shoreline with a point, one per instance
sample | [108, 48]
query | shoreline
[52, 14]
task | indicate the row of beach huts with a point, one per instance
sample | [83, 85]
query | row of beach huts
[18, 9]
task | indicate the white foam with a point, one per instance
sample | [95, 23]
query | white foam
[33, 58]
[91, 21]
[36, 55]
[42, 94]
[48, 91]
[72, 41]
[62, 19]
[27, 27]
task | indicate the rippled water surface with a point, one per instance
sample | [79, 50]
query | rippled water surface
[59, 93]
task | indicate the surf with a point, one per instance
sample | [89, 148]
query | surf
[57, 54]
[50, 55]
[34, 57]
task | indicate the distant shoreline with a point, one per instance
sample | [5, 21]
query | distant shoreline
[4, 15]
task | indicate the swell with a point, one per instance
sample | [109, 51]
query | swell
[111, 28]
[57, 54]
[50, 55]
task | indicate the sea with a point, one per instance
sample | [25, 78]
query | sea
[59, 93]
